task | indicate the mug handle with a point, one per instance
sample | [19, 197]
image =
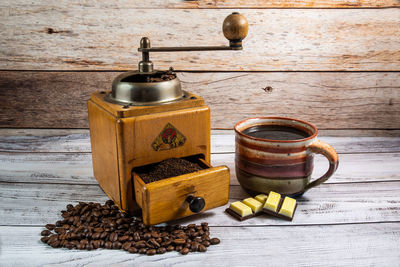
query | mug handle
[320, 147]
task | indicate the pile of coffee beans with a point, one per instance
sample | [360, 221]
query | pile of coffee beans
[92, 225]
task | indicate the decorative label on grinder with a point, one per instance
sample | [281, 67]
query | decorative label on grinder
[169, 138]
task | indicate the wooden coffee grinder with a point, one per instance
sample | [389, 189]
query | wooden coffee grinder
[147, 118]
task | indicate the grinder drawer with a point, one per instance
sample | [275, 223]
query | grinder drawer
[169, 199]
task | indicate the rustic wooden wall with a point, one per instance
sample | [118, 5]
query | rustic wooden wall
[335, 63]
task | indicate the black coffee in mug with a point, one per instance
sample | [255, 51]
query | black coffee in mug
[275, 132]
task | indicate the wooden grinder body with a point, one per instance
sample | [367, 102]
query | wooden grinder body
[123, 138]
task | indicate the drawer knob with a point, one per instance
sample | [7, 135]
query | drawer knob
[196, 204]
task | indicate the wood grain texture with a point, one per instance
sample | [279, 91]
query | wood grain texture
[222, 141]
[287, 4]
[76, 168]
[369, 245]
[77, 140]
[213, 4]
[38, 204]
[329, 100]
[73, 36]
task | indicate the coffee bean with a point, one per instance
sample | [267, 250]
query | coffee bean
[170, 248]
[55, 244]
[126, 245]
[50, 226]
[178, 248]
[96, 214]
[202, 248]
[113, 237]
[179, 241]
[64, 214]
[154, 243]
[116, 245]
[142, 251]
[70, 207]
[205, 237]
[136, 236]
[45, 239]
[70, 246]
[184, 251]
[60, 230]
[120, 221]
[108, 244]
[151, 252]
[52, 238]
[132, 250]
[214, 241]
[96, 236]
[62, 237]
[98, 230]
[45, 233]
[123, 238]
[147, 236]
[161, 250]
[194, 246]
[104, 235]
[155, 234]
[96, 244]
[206, 243]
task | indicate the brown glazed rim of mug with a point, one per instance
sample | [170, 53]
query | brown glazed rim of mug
[277, 141]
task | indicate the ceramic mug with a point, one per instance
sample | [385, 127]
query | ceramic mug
[283, 166]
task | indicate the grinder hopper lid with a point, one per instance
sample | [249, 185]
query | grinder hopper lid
[145, 88]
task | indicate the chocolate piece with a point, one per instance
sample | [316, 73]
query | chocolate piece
[240, 208]
[262, 198]
[286, 208]
[255, 205]
[241, 211]
[237, 216]
[272, 201]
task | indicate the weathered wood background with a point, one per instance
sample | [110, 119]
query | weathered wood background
[334, 63]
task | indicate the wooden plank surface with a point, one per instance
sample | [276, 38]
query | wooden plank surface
[38, 204]
[329, 100]
[76, 168]
[212, 4]
[353, 219]
[369, 245]
[286, 4]
[72, 36]
[222, 141]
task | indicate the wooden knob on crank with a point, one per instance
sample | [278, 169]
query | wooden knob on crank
[235, 28]
[196, 204]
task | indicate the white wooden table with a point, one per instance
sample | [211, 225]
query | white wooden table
[351, 220]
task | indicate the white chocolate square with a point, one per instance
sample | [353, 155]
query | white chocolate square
[240, 208]
[288, 206]
[272, 201]
[254, 204]
[262, 198]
